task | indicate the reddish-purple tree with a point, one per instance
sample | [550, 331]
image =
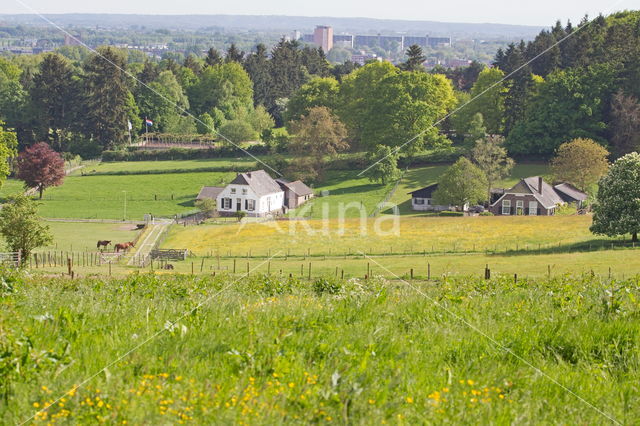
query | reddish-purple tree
[40, 167]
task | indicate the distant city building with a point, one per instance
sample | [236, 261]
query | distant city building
[75, 40]
[343, 40]
[363, 58]
[296, 35]
[323, 37]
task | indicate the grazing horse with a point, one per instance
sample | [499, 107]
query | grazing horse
[123, 246]
[103, 243]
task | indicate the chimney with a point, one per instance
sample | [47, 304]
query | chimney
[540, 185]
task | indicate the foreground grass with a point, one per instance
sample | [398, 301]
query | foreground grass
[263, 350]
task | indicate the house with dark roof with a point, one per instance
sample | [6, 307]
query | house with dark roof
[209, 193]
[533, 196]
[255, 193]
[295, 193]
[422, 200]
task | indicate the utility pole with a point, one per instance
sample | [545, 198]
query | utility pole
[124, 216]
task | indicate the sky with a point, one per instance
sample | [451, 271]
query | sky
[538, 12]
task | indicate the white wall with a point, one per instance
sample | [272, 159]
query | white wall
[262, 203]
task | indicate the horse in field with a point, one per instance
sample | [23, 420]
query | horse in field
[123, 246]
[103, 243]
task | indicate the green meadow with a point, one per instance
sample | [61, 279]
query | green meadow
[266, 350]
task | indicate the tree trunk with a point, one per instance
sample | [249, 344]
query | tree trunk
[634, 237]
[41, 190]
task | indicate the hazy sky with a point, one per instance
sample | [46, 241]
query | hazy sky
[538, 12]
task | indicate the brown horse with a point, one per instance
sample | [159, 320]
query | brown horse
[124, 246]
[103, 243]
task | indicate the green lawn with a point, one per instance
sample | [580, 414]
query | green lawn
[163, 166]
[418, 178]
[104, 196]
[267, 350]
[9, 187]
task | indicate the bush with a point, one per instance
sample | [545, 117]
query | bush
[327, 285]
[182, 153]
[452, 214]
[486, 214]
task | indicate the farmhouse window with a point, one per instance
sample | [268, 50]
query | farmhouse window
[428, 200]
[226, 203]
[519, 207]
[533, 208]
[244, 191]
[506, 207]
[250, 205]
[419, 201]
[233, 190]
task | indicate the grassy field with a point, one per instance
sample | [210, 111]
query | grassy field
[284, 351]
[104, 196]
[163, 166]
[10, 187]
[413, 235]
[345, 187]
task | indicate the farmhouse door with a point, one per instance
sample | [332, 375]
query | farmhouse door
[238, 204]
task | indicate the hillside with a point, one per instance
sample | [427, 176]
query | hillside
[281, 23]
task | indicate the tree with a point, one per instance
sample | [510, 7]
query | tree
[163, 100]
[21, 227]
[581, 162]
[475, 131]
[258, 67]
[317, 92]
[625, 123]
[384, 165]
[205, 124]
[40, 167]
[318, 135]
[109, 103]
[226, 87]
[207, 207]
[415, 59]
[213, 57]
[491, 157]
[234, 55]
[54, 98]
[617, 206]
[8, 145]
[570, 104]
[461, 184]
[237, 131]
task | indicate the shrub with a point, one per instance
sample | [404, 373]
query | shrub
[486, 214]
[451, 214]
[327, 285]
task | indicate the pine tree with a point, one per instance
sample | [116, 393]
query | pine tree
[213, 57]
[234, 55]
[415, 59]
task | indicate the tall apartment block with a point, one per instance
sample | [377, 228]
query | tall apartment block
[323, 37]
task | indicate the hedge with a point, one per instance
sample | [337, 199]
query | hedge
[182, 153]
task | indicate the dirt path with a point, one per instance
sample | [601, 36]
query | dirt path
[148, 241]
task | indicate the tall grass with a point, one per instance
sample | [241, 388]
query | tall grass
[273, 351]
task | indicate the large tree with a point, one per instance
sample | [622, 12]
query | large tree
[162, 100]
[625, 124]
[490, 155]
[581, 162]
[110, 106]
[318, 135]
[382, 105]
[21, 227]
[461, 184]
[317, 92]
[40, 167]
[225, 87]
[257, 66]
[617, 206]
[8, 145]
[487, 97]
[55, 99]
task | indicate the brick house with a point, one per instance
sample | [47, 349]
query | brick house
[534, 197]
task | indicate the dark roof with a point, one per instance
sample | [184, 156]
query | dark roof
[426, 192]
[209, 192]
[297, 187]
[547, 196]
[570, 193]
[259, 181]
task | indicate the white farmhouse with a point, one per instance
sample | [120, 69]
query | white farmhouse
[255, 193]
